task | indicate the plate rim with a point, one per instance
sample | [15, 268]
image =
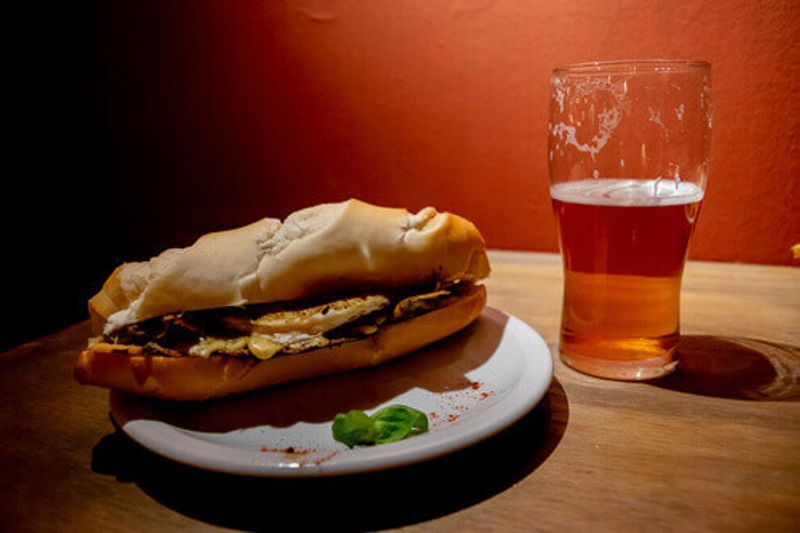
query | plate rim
[179, 445]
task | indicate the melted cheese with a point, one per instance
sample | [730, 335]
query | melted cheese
[318, 319]
[262, 346]
[210, 345]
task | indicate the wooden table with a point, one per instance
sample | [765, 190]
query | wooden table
[715, 446]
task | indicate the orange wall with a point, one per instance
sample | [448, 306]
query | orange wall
[227, 111]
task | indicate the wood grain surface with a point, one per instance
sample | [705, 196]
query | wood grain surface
[715, 446]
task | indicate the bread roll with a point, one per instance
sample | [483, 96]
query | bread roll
[197, 378]
[348, 246]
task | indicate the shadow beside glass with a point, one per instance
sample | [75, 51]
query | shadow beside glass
[735, 367]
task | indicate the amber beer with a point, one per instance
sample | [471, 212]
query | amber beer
[624, 247]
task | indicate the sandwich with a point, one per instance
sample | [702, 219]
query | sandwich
[330, 289]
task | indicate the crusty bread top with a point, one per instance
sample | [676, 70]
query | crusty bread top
[328, 248]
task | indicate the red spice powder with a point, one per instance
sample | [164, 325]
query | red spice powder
[291, 450]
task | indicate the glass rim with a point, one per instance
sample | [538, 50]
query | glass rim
[631, 66]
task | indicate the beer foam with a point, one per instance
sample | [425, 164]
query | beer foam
[627, 192]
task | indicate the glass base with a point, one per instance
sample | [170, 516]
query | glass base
[622, 369]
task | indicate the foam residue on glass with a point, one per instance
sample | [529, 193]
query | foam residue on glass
[655, 117]
[706, 103]
[627, 192]
[590, 109]
[608, 117]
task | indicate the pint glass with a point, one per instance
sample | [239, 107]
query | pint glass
[628, 155]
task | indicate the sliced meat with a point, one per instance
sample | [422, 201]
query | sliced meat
[418, 304]
[320, 318]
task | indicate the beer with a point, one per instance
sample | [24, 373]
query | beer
[624, 241]
[624, 246]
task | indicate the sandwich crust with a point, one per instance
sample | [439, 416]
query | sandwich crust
[329, 248]
[198, 378]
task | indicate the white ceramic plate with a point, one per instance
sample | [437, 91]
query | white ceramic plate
[472, 385]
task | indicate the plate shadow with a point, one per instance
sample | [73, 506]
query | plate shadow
[735, 367]
[378, 500]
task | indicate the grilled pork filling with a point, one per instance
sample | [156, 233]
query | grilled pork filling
[266, 330]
